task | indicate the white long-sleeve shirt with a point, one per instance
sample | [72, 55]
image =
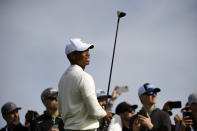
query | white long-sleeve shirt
[115, 124]
[78, 104]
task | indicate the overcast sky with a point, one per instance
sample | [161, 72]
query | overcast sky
[157, 43]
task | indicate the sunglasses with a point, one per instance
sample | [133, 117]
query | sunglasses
[52, 98]
[151, 93]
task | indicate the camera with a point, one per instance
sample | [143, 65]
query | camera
[142, 112]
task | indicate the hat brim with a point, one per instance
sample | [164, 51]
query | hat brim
[151, 89]
[17, 108]
[91, 46]
[104, 96]
[85, 47]
[134, 106]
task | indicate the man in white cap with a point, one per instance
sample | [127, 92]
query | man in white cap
[78, 104]
[10, 114]
[150, 118]
[107, 106]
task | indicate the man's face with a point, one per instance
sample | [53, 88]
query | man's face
[51, 103]
[81, 58]
[149, 98]
[102, 101]
[12, 118]
[127, 115]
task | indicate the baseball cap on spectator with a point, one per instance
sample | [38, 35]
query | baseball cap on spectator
[125, 107]
[192, 98]
[101, 94]
[77, 45]
[47, 93]
[147, 87]
[9, 107]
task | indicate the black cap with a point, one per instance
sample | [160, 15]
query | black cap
[125, 107]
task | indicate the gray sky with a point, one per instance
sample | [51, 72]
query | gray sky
[156, 43]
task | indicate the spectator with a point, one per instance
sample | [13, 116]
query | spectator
[10, 114]
[78, 103]
[150, 118]
[121, 121]
[178, 127]
[189, 120]
[30, 116]
[102, 99]
[50, 120]
[168, 106]
[192, 100]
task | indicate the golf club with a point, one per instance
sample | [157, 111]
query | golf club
[120, 15]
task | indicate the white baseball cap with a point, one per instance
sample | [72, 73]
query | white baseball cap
[147, 87]
[192, 98]
[100, 93]
[77, 45]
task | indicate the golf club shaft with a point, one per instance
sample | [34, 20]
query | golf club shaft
[112, 59]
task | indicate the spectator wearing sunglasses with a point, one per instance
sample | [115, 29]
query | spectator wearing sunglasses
[150, 118]
[50, 120]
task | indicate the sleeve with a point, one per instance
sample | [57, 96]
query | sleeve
[116, 124]
[87, 89]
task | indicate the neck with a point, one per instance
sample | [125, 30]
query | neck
[149, 108]
[80, 66]
[53, 112]
[125, 123]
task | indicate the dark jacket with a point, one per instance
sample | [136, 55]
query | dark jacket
[160, 120]
[18, 127]
[45, 122]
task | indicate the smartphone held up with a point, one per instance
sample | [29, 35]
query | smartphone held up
[123, 89]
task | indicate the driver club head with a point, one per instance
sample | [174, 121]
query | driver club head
[120, 14]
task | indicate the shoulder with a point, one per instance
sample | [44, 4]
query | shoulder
[161, 112]
[41, 119]
[161, 115]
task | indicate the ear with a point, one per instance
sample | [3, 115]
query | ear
[72, 57]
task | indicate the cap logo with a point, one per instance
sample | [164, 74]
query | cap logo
[145, 86]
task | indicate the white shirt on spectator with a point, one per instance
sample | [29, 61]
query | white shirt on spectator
[115, 124]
